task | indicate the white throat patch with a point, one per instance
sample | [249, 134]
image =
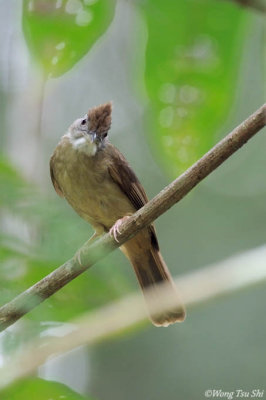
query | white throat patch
[81, 144]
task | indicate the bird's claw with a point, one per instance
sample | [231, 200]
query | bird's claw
[79, 259]
[115, 228]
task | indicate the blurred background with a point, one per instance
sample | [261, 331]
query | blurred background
[181, 75]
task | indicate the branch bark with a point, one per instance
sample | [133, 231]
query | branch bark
[90, 253]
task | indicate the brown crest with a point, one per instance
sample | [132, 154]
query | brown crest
[100, 118]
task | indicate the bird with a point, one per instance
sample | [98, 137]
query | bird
[98, 182]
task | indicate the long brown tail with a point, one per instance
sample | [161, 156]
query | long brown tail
[151, 270]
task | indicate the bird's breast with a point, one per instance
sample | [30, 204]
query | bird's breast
[88, 187]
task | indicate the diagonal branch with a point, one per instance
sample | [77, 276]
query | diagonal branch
[170, 195]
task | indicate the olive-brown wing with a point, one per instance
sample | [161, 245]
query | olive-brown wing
[54, 181]
[123, 175]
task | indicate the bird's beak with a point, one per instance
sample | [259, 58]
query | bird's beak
[93, 136]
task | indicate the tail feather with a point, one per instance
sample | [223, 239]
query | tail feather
[151, 271]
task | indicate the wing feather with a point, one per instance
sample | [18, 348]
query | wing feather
[126, 179]
[55, 183]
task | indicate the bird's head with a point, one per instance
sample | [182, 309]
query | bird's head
[89, 133]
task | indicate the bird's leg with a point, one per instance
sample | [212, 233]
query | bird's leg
[91, 240]
[115, 228]
[94, 237]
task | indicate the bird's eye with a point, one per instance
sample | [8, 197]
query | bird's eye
[104, 135]
[83, 122]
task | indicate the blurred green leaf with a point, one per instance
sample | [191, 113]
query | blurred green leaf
[12, 185]
[40, 389]
[59, 32]
[192, 61]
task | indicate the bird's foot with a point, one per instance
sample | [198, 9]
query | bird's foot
[79, 259]
[91, 240]
[115, 228]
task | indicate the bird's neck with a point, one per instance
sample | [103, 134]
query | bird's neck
[82, 145]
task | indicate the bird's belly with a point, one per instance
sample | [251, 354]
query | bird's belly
[98, 201]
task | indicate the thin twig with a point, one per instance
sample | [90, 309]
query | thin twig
[174, 192]
[221, 279]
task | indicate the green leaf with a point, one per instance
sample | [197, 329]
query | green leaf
[59, 32]
[12, 184]
[192, 61]
[40, 389]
